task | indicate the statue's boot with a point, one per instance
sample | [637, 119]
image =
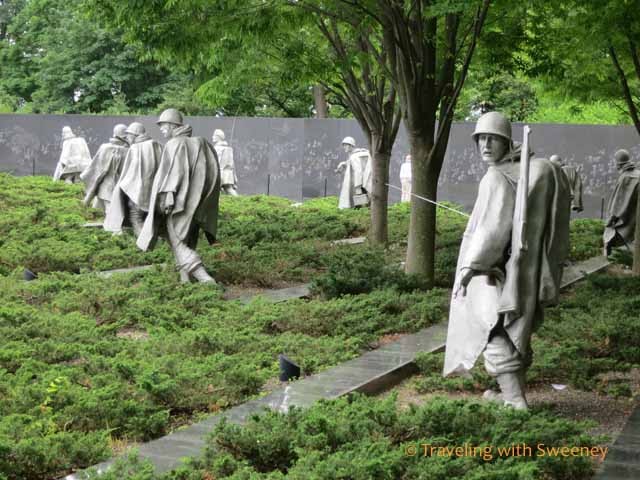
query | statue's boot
[201, 275]
[493, 395]
[511, 385]
[185, 277]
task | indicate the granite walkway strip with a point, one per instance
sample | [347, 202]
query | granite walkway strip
[349, 241]
[578, 271]
[280, 295]
[110, 273]
[623, 460]
[368, 374]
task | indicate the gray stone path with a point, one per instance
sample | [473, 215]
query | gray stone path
[623, 459]
[368, 373]
[578, 271]
[279, 295]
[109, 273]
[349, 241]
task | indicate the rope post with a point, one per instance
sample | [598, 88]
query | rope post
[325, 187]
[602, 209]
[268, 183]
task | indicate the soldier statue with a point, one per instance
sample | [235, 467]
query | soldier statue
[405, 179]
[575, 182]
[74, 158]
[102, 175]
[228, 178]
[130, 198]
[623, 203]
[510, 262]
[184, 198]
[357, 180]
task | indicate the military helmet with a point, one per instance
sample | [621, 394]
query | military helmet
[67, 133]
[556, 159]
[170, 115]
[349, 141]
[136, 128]
[494, 123]
[119, 131]
[622, 157]
[218, 133]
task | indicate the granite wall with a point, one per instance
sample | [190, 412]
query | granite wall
[295, 158]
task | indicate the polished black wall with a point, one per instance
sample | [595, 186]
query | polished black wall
[295, 158]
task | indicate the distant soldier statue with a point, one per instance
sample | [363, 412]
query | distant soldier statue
[228, 178]
[357, 180]
[510, 262]
[130, 198]
[103, 173]
[185, 195]
[575, 182]
[405, 179]
[74, 159]
[621, 210]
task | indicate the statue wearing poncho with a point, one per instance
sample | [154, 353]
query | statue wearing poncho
[184, 197]
[130, 199]
[621, 211]
[500, 292]
[74, 158]
[103, 173]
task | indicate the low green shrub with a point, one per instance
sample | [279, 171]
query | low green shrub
[85, 359]
[366, 438]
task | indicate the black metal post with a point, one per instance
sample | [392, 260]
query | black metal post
[325, 187]
[268, 183]
[602, 209]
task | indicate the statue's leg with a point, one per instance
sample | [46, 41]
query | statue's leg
[188, 262]
[136, 217]
[230, 190]
[503, 361]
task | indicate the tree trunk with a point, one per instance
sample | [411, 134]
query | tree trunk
[320, 101]
[636, 241]
[378, 234]
[422, 226]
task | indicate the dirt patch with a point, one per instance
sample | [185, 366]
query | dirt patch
[132, 334]
[609, 413]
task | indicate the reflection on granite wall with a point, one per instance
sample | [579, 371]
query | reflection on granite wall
[296, 158]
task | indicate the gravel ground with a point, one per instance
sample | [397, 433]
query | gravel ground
[609, 413]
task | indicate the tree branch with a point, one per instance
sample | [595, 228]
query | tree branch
[633, 111]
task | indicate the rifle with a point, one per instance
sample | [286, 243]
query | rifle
[510, 301]
[522, 196]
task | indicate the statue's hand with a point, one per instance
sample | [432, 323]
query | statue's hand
[166, 202]
[465, 277]
[341, 166]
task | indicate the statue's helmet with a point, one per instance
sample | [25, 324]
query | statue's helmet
[170, 115]
[493, 123]
[556, 159]
[67, 133]
[349, 141]
[218, 133]
[622, 157]
[119, 131]
[136, 128]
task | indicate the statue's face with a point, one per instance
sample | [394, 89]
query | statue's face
[167, 129]
[492, 147]
[347, 148]
[130, 138]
